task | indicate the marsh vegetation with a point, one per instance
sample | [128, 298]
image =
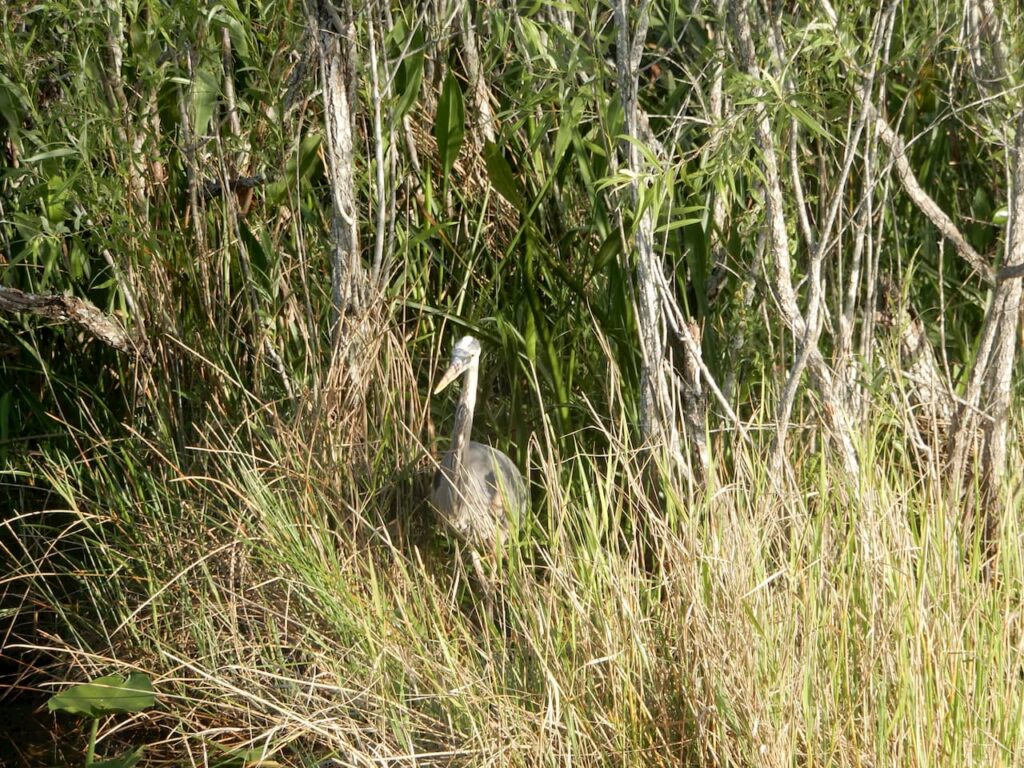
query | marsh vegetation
[747, 284]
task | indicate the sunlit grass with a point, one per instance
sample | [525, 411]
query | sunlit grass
[279, 609]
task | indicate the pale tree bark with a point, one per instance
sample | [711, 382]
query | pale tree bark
[780, 273]
[335, 35]
[335, 40]
[196, 207]
[136, 124]
[908, 179]
[479, 91]
[980, 436]
[819, 244]
[924, 201]
[720, 110]
[928, 393]
[978, 443]
[238, 162]
[117, 100]
[718, 107]
[988, 390]
[75, 311]
[658, 383]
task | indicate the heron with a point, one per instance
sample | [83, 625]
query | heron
[477, 489]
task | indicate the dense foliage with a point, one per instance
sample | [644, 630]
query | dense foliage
[236, 507]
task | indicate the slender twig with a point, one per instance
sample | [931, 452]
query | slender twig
[813, 326]
[781, 281]
[378, 147]
[924, 202]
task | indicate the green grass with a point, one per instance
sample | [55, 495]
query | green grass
[302, 602]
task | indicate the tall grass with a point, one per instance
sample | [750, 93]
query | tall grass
[298, 601]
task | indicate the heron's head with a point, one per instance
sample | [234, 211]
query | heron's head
[465, 353]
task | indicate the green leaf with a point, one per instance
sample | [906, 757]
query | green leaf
[108, 695]
[804, 118]
[10, 104]
[450, 125]
[1001, 216]
[536, 40]
[205, 92]
[501, 176]
[409, 75]
[239, 38]
[124, 761]
[609, 251]
[570, 124]
[244, 758]
[300, 167]
[62, 152]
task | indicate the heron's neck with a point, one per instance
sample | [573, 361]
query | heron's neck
[463, 420]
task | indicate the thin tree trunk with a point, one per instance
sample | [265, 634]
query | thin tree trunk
[657, 411]
[479, 92]
[335, 31]
[334, 34]
[984, 447]
[780, 276]
[989, 384]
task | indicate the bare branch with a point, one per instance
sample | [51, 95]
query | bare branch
[923, 201]
[820, 246]
[920, 198]
[215, 188]
[70, 309]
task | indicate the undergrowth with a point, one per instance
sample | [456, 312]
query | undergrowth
[298, 599]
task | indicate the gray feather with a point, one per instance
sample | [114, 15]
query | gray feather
[486, 497]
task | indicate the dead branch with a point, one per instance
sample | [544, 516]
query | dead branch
[70, 309]
[923, 201]
[215, 187]
[898, 152]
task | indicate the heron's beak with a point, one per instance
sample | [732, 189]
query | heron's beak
[457, 367]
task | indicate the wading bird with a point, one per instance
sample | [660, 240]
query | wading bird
[477, 489]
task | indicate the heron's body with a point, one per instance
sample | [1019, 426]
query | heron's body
[477, 490]
[477, 504]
